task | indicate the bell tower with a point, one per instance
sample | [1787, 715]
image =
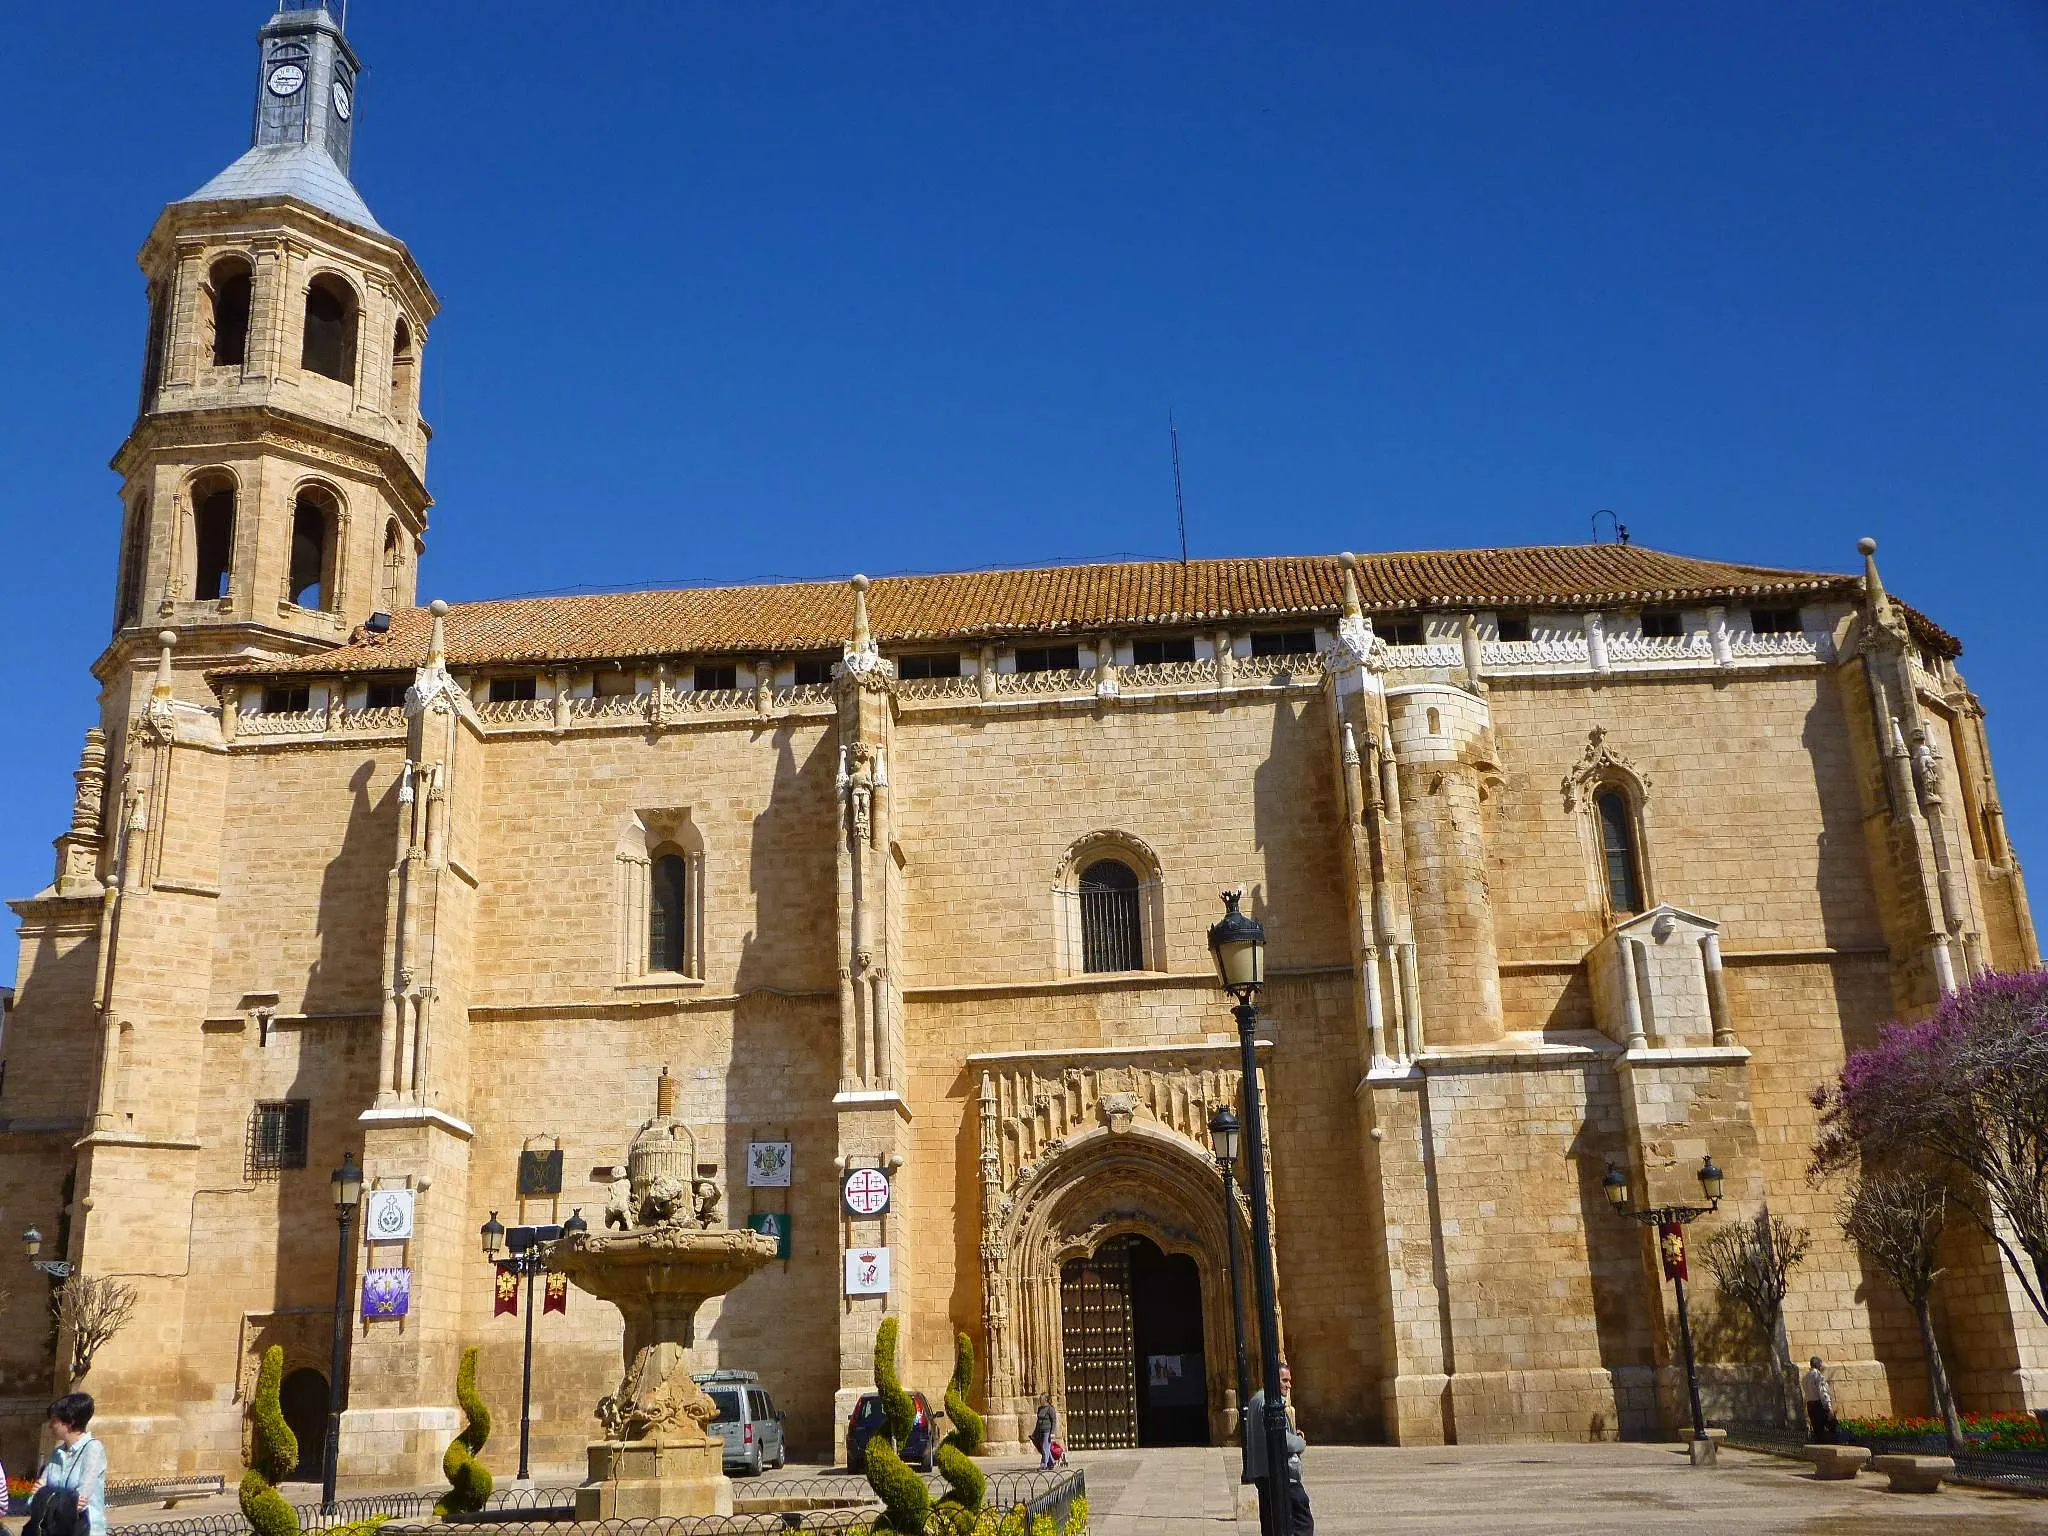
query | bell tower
[274, 491]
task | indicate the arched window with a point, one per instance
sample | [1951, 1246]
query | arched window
[668, 910]
[228, 291]
[153, 350]
[134, 549]
[311, 576]
[1620, 858]
[404, 365]
[1112, 924]
[394, 567]
[329, 347]
[213, 542]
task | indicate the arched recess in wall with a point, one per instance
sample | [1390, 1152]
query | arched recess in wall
[317, 520]
[659, 896]
[1611, 800]
[134, 559]
[1109, 908]
[213, 497]
[405, 364]
[391, 564]
[328, 344]
[230, 282]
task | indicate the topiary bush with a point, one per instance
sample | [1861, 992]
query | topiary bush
[905, 1499]
[966, 1487]
[273, 1455]
[469, 1480]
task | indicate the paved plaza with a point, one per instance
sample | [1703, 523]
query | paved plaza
[1532, 1489]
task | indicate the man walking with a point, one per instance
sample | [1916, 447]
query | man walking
[1820, 1403]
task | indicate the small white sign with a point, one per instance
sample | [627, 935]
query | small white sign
[390, 1216]
[867, 1272]
[768, 1164]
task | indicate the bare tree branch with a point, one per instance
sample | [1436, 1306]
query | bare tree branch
[1895, 1216]
[92, 1308]
[1752, 1263]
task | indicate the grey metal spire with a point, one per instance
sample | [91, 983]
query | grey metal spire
[305, 118]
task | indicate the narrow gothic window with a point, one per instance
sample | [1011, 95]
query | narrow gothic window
[230, 314]
[329, 347]
[134, 548]
[308, 583]
[394, 567]
[403, 364]
[1618, 851]
[153, 353]
[666, 914]
[1110, 928]
[213, 544]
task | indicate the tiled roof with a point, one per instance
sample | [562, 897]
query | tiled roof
[1077, 599]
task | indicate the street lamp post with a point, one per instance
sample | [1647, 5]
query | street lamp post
[1223, 1134]
[347, 1182]
[1670, 1222]
[32, 1244]
[527, 1248]
[1238, 946]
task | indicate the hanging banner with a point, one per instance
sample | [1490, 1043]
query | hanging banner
[776, 1225]
[507, 1294]
[386, 1293]
[540, 1175]
[1671, 1244]
[556, 1296]
[768, 1164]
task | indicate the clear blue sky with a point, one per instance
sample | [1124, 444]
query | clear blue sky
[749, 290]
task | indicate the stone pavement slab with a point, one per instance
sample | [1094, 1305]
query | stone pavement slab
[1537, 1490]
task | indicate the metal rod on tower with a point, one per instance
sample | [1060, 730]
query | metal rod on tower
[1180, 509]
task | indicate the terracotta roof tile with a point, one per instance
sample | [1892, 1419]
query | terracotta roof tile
[1078, 599]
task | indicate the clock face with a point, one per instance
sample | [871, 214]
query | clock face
[341, 102]
[286, 79]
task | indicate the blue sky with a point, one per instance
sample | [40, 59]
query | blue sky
[751, 290]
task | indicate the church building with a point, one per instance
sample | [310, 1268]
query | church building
[1568, 857]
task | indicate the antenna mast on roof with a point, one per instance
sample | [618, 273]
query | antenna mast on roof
[1180, 508]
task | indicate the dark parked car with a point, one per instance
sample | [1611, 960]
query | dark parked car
[921, 1450]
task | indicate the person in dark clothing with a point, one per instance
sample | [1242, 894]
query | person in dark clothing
[1044, 1431]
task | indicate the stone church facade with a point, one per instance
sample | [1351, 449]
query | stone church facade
[1567, 855]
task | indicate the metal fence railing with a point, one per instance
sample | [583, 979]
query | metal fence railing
[155, 1490]
[2015, 1471]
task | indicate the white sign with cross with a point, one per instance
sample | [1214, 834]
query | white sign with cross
[867, 1272]
[866, 1191]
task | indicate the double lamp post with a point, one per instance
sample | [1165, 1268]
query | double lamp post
[524, 1251]
[1238, 945]
[1670, 1222]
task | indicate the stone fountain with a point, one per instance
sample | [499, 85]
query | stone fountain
[671, 1254]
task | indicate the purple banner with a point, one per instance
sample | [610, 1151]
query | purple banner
[386, 1293]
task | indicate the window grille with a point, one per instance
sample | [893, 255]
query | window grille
[1618, 852]
[510, 690]
[1153, 653]
[1111, 930]
[1283, 642]
[928, 664]
[1397, 631]
[1048, 658]
[287, 701]
[1774, 621]
[667, 914]
[277, 1136]
[716, 677]
[1663, 626]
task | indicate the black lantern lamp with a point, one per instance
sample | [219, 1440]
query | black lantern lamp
[32, 1243]
[493, 1235]
[1710, 1181]
[1223, 1134]
[1615, 1187]
[575, 1226]
[347, 1181]
[1238, 945]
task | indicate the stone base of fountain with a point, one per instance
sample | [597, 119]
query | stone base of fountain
[640, 1479]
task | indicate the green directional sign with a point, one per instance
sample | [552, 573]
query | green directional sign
[776, 1225]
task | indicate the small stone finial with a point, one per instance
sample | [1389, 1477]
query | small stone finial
[437, 638]
[1873, 584]
[665, 1096]
[1352, 607]
[167, 639]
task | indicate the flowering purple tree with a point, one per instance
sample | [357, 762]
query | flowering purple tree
[1965, 1090]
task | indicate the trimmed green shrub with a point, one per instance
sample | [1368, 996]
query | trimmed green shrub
[905, 1499]
[966, 1487]
[469, 1480]
[273, 1455]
